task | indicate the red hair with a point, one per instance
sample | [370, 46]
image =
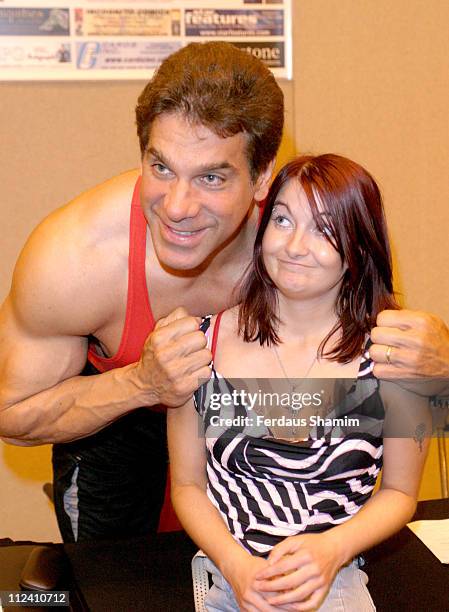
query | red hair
[353, 203]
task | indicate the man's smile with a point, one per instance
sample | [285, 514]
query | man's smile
[181, 236]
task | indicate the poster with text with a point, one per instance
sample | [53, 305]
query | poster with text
[128, 39]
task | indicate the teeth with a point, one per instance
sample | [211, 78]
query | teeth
[182, 233]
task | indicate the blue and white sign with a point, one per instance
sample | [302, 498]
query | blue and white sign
[217, 22]
[34, 21]
[128, 39]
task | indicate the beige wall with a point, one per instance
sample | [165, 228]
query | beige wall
[370, 81]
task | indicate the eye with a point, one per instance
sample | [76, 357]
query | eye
[212, 180]
[161, 170]
[280, 220]
[325, 231]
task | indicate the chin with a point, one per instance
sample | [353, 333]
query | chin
[179, 262]
[292, 290]
[298, 293]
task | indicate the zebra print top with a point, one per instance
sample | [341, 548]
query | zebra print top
[267, 489]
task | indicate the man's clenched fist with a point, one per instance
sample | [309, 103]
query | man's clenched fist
[174, 360]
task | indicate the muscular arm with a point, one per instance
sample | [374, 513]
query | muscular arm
[44, 322]
[65, 288]
[42, 398]
[76, 406]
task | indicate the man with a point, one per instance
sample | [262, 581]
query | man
[209, 124]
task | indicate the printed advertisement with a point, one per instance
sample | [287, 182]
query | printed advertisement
[28, 53]
[208, 22]
[127, 22]
[34, 21]
[271, 53]
[128, 39]
[122, 55]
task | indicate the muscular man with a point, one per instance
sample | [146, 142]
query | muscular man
[96, 275]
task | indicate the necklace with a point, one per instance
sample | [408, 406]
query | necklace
[287, 378]
[293, 388]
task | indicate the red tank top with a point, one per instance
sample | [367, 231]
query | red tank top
[139, 321]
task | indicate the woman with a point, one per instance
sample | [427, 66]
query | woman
[282, 506]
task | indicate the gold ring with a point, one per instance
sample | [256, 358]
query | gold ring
[388, 354]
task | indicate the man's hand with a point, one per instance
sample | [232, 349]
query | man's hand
[174, 360]
[410, 344]
[301, 570]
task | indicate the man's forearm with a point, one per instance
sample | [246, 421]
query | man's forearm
[74, 408]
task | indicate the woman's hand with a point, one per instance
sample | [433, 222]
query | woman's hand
[301, 570]
[243, 583]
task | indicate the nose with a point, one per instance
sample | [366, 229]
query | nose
[298, 245]
[179, 201]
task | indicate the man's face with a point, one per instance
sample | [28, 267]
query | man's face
[196, 190]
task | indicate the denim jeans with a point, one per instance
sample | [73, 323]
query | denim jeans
[348, 592]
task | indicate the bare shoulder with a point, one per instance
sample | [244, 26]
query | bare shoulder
[228, 325]
[233, 356]
[75, 261]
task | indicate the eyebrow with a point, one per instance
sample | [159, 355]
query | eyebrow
[323, 213]
[281, 203]
[224, 165]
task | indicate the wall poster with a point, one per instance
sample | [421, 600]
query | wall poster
[116, 39]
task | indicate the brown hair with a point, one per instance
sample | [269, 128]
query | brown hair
[355, 217]
[223, 88]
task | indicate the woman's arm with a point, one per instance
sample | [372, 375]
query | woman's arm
[312, 560]
[199, 517]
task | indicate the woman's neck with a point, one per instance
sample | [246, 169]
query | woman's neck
[304, 321]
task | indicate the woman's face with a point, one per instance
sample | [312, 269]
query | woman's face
[299, 259]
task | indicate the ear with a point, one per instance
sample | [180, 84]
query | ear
[263, 182]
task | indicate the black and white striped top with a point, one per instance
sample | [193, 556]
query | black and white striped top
[267, 489]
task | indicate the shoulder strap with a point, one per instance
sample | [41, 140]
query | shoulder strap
[215, 334]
